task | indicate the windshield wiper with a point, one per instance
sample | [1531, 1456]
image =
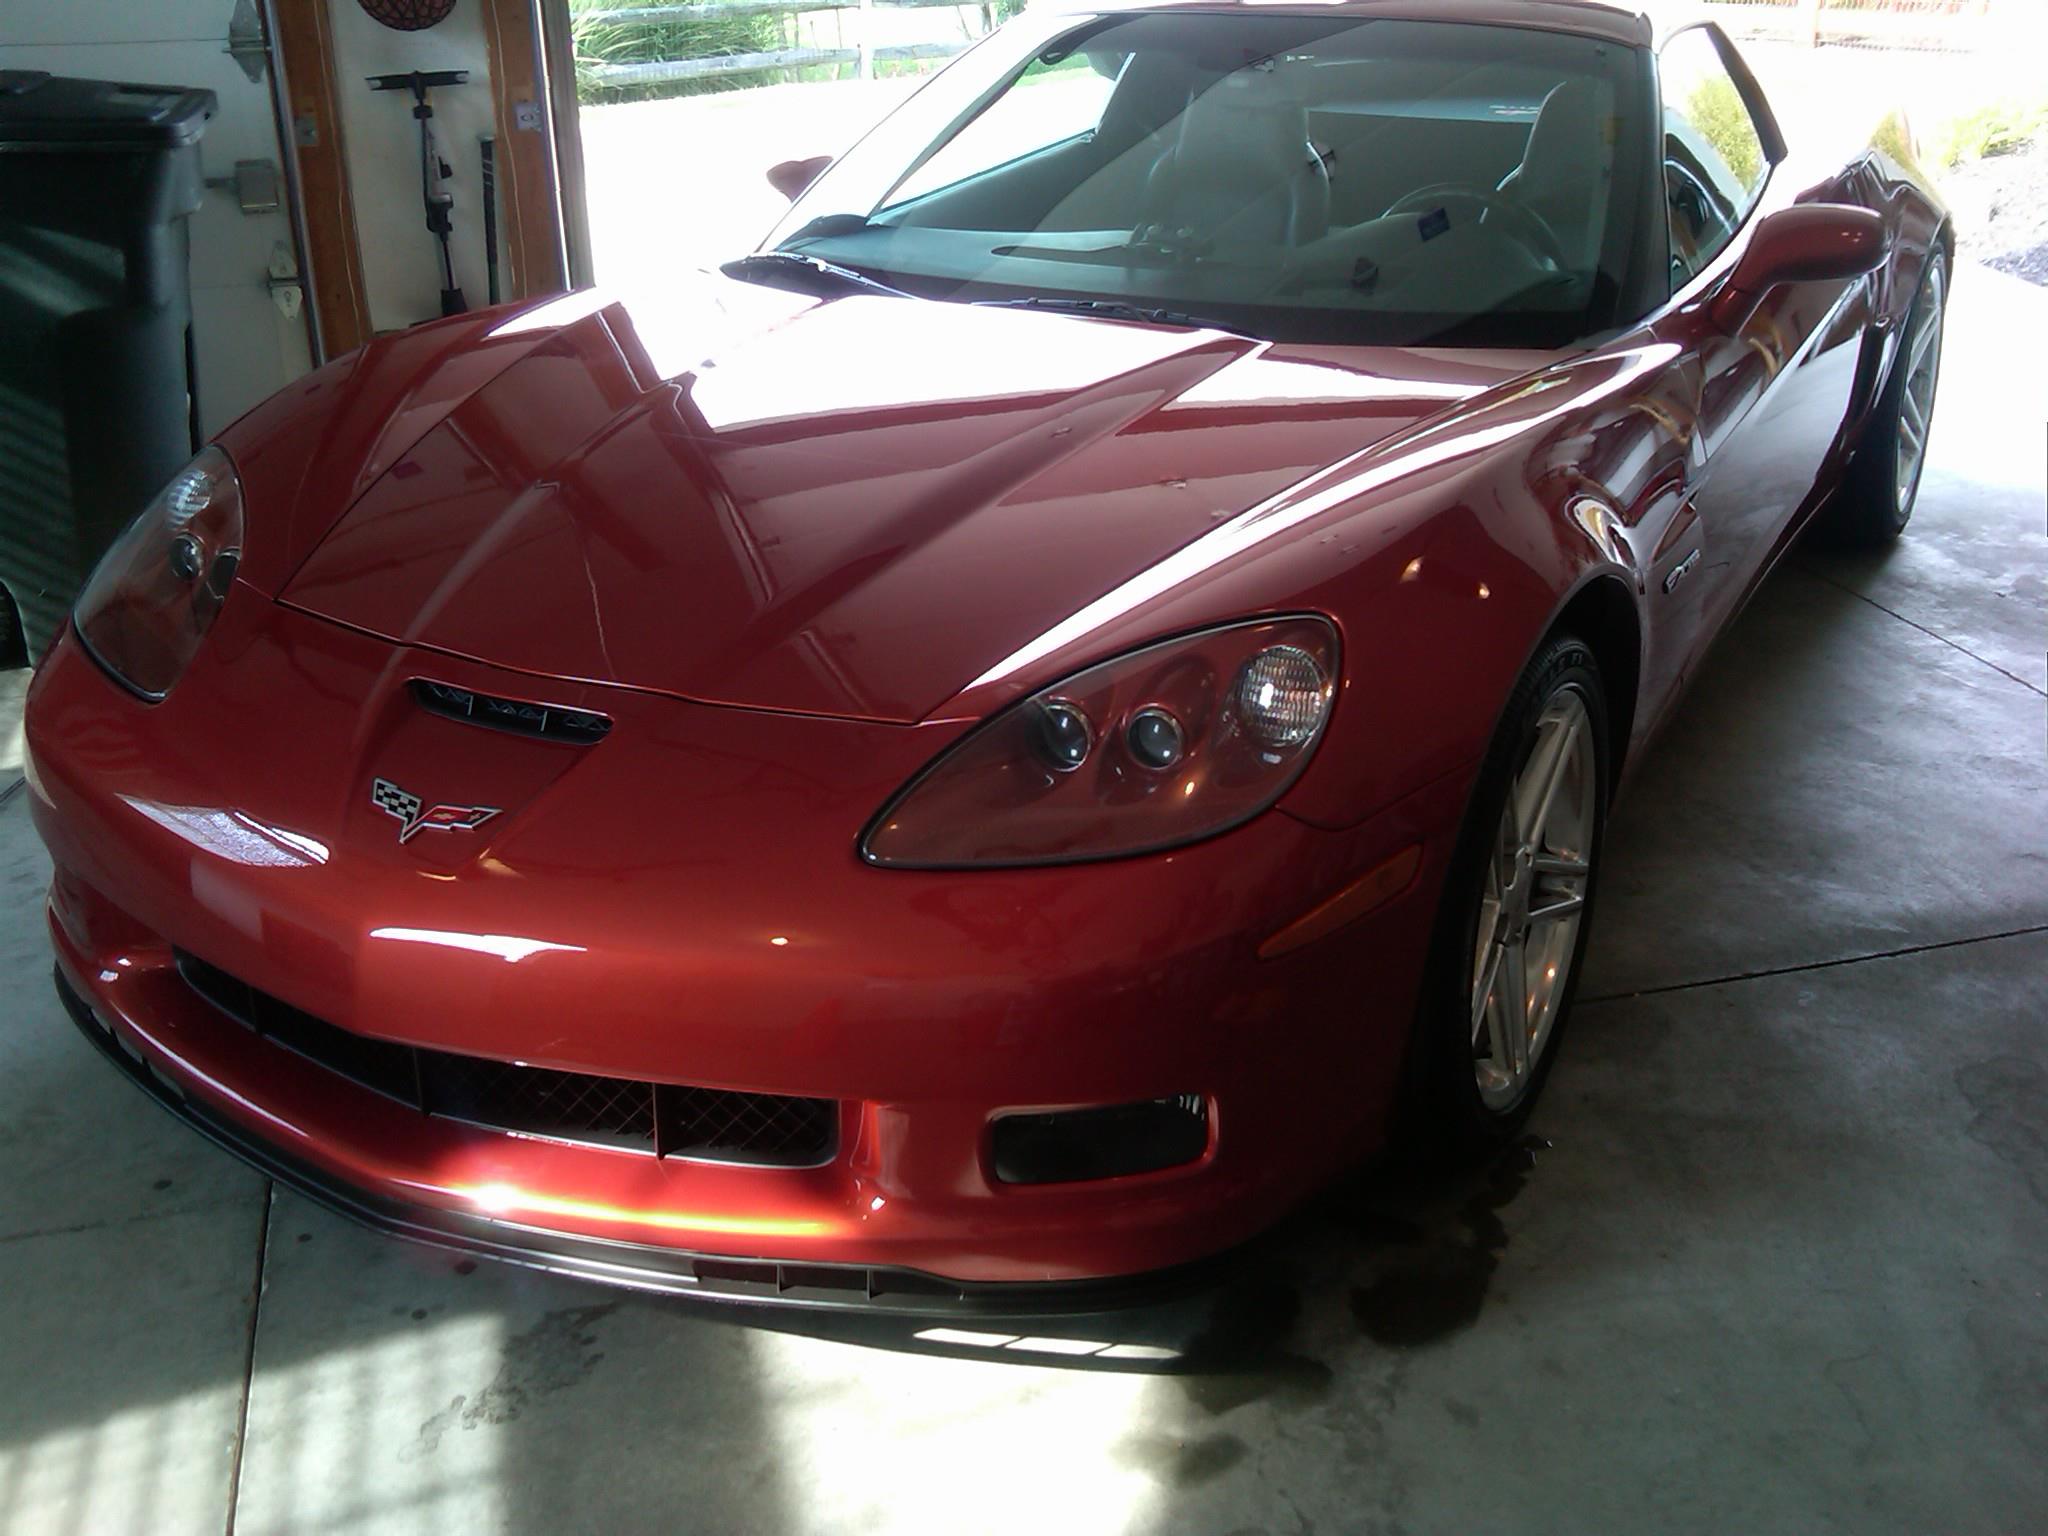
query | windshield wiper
[1117, 309]
[805, 274]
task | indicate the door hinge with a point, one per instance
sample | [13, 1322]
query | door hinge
[247, 44]
[284, 282]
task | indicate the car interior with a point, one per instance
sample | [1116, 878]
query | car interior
[1389, 174]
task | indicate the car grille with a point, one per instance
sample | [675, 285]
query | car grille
[667, 1119]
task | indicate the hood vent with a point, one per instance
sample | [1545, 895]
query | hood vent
[548, 721]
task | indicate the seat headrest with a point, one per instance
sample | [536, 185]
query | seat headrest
[1564, 148]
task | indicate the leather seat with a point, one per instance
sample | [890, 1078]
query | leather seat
[1240, 169]
[1565, 169]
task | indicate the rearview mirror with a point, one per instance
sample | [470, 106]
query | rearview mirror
[1809, 243]
[791, 177]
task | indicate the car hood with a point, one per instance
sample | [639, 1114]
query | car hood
[851, 509]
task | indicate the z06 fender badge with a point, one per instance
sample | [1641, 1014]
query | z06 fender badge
[1680, 571]
[413, 815]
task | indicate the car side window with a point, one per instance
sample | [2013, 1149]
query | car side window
[1715, 164]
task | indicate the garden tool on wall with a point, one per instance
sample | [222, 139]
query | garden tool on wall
[434, 171]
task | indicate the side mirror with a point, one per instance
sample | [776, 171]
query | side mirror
[791, 177]
[1810, 243]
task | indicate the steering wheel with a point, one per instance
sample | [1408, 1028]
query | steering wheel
[1529, 224]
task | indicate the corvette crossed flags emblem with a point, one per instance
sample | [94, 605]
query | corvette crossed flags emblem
[413, 815]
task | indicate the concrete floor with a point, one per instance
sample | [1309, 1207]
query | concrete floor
[1776, 1264]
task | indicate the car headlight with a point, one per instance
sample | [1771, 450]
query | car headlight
[1178, 741]
[155, 594]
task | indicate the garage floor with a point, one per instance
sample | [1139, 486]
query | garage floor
[1776, 1262]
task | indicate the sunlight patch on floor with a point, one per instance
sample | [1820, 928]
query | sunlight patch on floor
[13, 686]
[881, 1442]
[129, 1472]
[318, 1456]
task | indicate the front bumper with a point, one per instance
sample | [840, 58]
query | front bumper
[634, 1266]
[924, 1005]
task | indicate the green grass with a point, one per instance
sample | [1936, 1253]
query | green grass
[1998, 128]
[599, 42]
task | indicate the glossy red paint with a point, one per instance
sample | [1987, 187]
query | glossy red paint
[791, 582]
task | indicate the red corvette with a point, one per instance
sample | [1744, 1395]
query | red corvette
[1000, 741]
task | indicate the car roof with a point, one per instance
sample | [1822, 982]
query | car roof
[1586, 18]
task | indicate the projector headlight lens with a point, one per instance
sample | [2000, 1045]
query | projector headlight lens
[1160, 747]
[156, 593]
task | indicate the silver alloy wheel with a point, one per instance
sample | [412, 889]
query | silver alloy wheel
[1923, 375]
[1533, 900]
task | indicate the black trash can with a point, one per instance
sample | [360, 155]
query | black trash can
[97, 401]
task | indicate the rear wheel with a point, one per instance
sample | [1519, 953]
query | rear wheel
[1512, 927]
[1883, 484]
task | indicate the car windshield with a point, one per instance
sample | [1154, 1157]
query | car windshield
[1297, 177]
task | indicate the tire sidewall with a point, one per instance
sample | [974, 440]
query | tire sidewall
[1884, 510]
[1446, 1115]
[1902, 505]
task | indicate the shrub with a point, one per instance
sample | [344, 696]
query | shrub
[1998, 128]
[600, 37]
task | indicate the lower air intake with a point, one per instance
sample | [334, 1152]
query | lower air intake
[668, 1119]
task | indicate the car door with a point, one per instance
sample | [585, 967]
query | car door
[1773, 396]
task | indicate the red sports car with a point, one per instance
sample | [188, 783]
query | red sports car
[998, 742]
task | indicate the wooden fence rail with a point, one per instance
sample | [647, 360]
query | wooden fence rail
[860, 50]
[712, 10]
[659, 71]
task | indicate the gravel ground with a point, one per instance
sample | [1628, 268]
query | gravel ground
[2001, 209]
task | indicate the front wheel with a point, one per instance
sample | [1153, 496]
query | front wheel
[1883, 484]
[1516, 910]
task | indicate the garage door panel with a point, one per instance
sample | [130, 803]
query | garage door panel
[40, 22]
[272, 350]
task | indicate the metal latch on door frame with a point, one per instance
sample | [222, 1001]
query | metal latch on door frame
[255, 185]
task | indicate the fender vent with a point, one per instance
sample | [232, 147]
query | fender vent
[519, 716]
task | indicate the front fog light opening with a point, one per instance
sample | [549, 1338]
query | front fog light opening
[1110, 1142]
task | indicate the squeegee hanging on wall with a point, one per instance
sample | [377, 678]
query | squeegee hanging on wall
[434, 171]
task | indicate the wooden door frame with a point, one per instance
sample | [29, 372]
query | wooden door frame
[530, 220]
[529, 153]
[324, 216]
[559, 55]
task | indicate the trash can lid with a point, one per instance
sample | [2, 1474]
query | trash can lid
[52, 111]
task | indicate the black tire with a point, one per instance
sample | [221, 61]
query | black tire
[1876, 501]
[13, 639]
[1445, 1116]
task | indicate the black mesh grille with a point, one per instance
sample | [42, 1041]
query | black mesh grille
[746, 1127]
[612, 1111]
[712, 1124]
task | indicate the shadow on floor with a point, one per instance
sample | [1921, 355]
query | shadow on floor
[1410, 1251]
